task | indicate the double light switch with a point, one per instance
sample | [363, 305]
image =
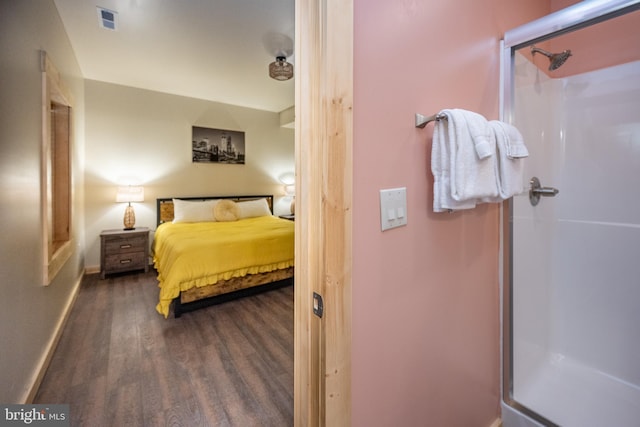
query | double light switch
[393, 208]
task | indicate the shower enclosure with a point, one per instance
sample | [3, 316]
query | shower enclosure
[571, 285]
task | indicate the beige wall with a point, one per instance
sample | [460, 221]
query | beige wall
[425, 346]
[31, 312]
[129, 132]
[148, 134]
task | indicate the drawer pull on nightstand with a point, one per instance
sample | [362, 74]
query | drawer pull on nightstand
[125, 246]
[125, 261]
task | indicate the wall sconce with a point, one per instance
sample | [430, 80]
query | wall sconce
[290, 190]
[130, 194]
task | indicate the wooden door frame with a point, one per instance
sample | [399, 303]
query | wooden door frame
[323, 144]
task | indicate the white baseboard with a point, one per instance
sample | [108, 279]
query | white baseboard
[93, 269]
[41, 367]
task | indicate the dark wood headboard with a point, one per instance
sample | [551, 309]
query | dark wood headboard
[164, 206]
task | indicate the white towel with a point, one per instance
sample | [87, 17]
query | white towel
[463, 161]
[511, 153]
[441, 169]
[479, 131]
[472, 158]
[515, 145]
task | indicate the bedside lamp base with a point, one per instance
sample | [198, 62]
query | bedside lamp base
[129, 218]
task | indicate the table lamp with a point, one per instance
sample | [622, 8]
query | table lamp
[130, 194]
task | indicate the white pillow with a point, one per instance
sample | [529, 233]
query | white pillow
[253, 208]
[193, 211]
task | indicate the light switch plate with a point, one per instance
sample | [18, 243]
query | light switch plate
[393, 208]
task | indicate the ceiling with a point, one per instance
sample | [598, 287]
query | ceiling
[218, 50]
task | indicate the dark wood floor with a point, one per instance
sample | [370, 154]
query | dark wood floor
[120, 363]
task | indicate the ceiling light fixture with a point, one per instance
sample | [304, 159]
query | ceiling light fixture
[280, 69]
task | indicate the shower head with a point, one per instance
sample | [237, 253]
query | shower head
[556, 59]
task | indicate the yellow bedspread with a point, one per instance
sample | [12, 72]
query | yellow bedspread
[189, 255]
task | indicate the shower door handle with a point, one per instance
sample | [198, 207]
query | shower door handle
[536, 190]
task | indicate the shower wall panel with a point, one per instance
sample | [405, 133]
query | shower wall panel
[596, 285]
[576, 271]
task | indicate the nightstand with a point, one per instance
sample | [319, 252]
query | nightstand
[291, 217]
[124, 250]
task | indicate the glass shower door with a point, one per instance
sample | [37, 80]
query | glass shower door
[574, 279]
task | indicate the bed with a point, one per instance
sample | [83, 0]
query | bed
[211, 249]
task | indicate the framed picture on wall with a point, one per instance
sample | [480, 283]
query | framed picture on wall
[217, 146]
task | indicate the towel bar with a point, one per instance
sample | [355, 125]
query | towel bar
[421, 121]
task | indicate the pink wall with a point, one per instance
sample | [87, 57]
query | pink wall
[595, 47]
[425, 296]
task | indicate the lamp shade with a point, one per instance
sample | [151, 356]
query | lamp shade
[130, 194]
[280, 69]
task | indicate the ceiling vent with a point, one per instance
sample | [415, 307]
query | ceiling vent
[107, 19]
